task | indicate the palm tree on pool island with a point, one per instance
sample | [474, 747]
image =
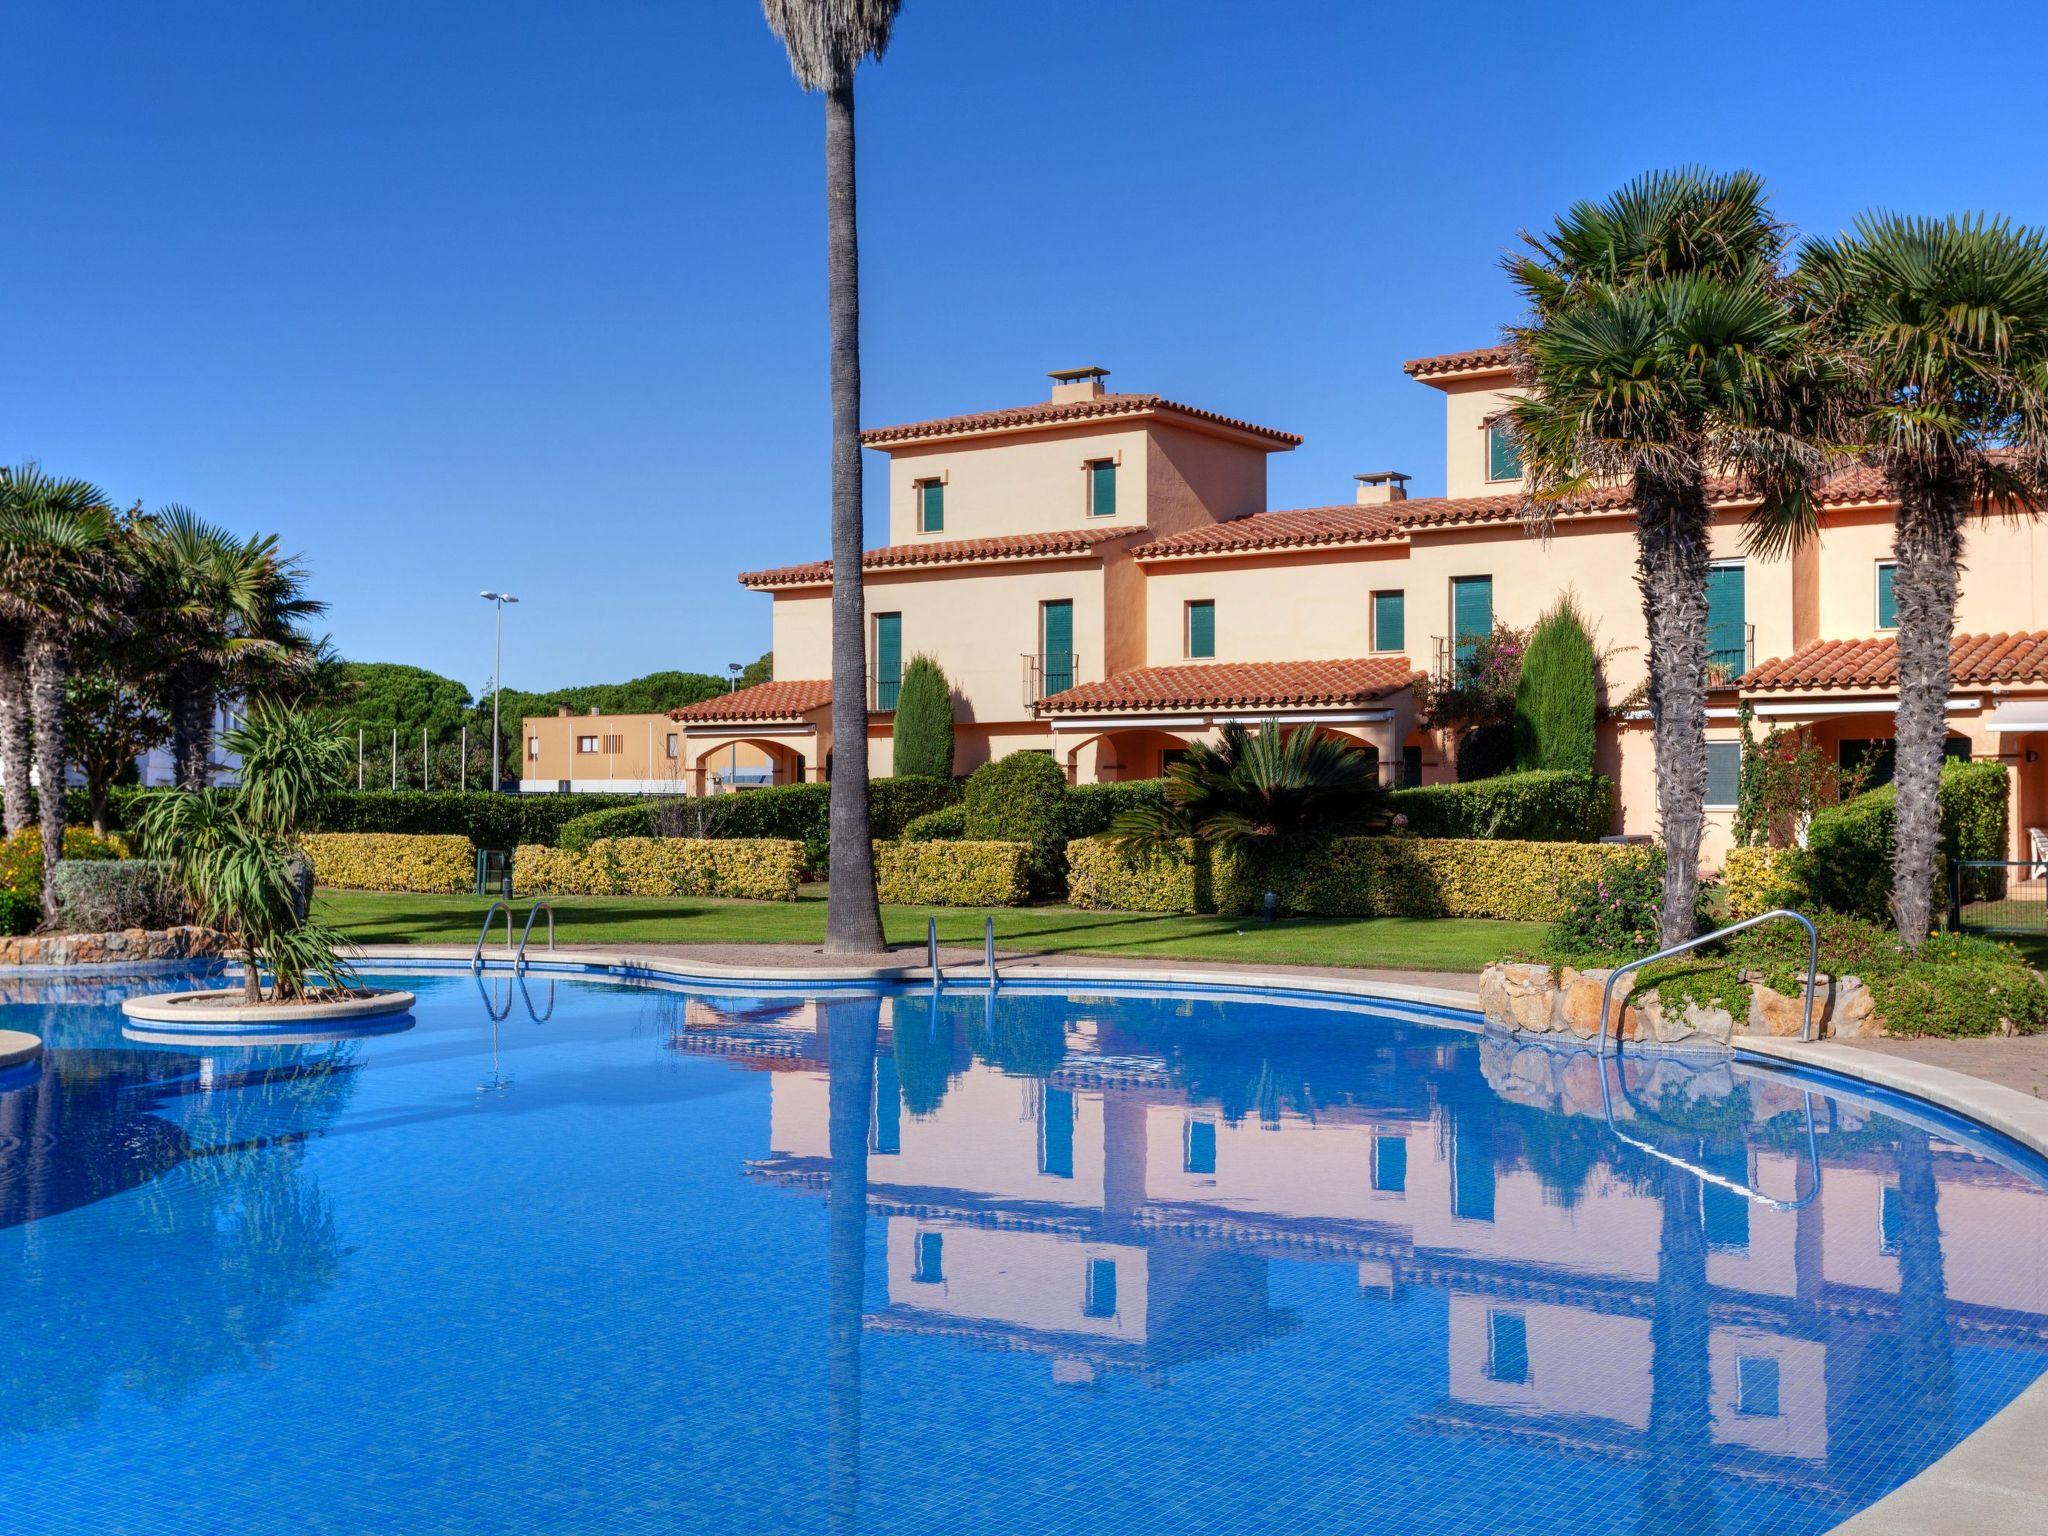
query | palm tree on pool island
[1941, 326]
[827, 40]
[1663, 352]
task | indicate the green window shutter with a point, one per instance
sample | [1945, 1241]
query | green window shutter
[931, 506]
[1471, 612]
[1056, 645]
[1887, 603]
[1201, 630]
[1389, 621]
[1102, 488]
[1503, 456]
[1724, 772]
[888, 658]
[1727, 622]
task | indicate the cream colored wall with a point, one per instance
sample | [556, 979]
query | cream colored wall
[1466, 407]
[1030, 482]
[2004, 586]
[800, 625]
[1310, 606]
[1193, 478]
[641, 756]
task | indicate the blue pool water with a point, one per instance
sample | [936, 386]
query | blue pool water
[588, 1257]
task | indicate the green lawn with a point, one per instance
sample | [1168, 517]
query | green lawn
[1425, 944]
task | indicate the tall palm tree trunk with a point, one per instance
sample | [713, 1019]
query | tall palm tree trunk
[191, 733]
[14, 730]
[851, 1029]
[48, 667]
[853, 921]
[1671, 570]
[1928, 549]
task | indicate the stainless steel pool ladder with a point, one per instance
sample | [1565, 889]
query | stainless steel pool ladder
[931, 948]
[476, 961]
[1812, 966]
[1707, 1175]
[519, 960]
[988, 949]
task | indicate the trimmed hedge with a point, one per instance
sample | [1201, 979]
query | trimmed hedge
[1848, 859]
[953, 874]
[947, 824]
[1092, 809]
[755, 869]
[1102, 876]
[801, 811]
[426, 862]
[21, 856]
[1022, 798]
[1542, 806]
[18, 914]
[1759, 879]
[579, 832]
[107, 895]
[487, 820]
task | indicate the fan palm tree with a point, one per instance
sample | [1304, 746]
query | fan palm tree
[827, 40]
[65, 573]
[224, 615]
[1663, 352]
[1942, 329]
[1260, 790]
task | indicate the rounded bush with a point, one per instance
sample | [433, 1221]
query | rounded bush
[1022, 798]
[943, 825]
[580, 832]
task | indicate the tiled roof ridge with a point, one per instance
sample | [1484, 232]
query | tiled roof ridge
[1046, 544]
[777, 699]
[1056, 412]
[1872, 662]
[1239, 685]
[1471, 360]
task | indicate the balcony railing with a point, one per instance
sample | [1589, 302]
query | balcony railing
[882, 690]
[1047, 673]
[1727, 663]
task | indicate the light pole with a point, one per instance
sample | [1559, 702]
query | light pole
[497, 600]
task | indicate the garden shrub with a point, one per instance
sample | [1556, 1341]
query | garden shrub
[953, 874]
[1416, 877]
[487, 820]
[1486, 751]
[923, 729]
[580, 832]
[19, 914]
[1615, 909]
[943, 825]
[756, 869]
[1850, 845]
[1022, 798]
[1093, 808]
[1759, 879]
[429, 863]
[1545, 806]
[801, 811]
[1557, 695]
[107, 895]
[21, 856]
[1102, 875]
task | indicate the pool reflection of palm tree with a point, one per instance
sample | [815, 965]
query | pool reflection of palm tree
[853, 1025]
[1678, 1481]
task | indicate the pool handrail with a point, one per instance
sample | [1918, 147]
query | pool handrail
[519, 960]
[931, 947]
[476, 961]
[988, 949]
[1707, 1175]
[1812, 967]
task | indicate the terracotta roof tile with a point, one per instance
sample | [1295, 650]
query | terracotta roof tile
[1059, 544]
[777, 700]
[1302, 528]
[1974, 660]
[1060, 412]
[1239, 685]
[1476, 360]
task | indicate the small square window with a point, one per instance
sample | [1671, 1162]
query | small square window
[615, 743]
[1756, 1386]
[928, 1258]
[1724, 774]
[1102, 488]
[1390, 621]
[532, 747]
[1390, 1164]
[1503, 453]
[1201, 631]
[1198, 1147]
[1507, 1347]
[1887, 602]
[586, 744]
[674, 745]
[1100, 1297]
[931, 506]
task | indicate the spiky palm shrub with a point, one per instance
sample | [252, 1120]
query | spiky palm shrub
[924, 721]
[827, 41]
[1663, 350]
[236, 853]
[1557, 696]
[1942, 329]
[1268, 790]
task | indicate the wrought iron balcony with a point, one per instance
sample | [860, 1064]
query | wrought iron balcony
[1047, 673]
[1727, 663]
[882, 690]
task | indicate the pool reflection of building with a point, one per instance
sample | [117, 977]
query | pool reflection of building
[1053, 1179]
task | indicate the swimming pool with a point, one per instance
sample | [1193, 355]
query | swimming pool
[584, 1256]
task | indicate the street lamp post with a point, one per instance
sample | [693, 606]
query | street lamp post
[497, 600]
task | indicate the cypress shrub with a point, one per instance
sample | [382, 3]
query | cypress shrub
[1022, 798]
[924, 722]
[1557, 696]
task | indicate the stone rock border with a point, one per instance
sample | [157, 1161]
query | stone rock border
[1544, 1000]
[18, 1048]
[121, 949]
[224, 1012]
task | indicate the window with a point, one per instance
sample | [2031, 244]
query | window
[1168, 756]
[1724, 1214]
[1887, 604]
[1472, 1171]
[1891, 1219]
[1056, 646]
[1503, 453]
[586, 743]
[1756, 1386]
[888, 658]
[1507, 1347]
[931, 506]
[1201, 630]
[615, 743]
[1727, 623]
[1389, 621]
[1198, 1147]
[1411, 767]
[1390, 1164]
[928, 1258]
[674, 745]
[1099, 1300]
[532, 747]
[1724, 773]
[1056, 1134]
[1102, 488]
[1471, 614]
[886, 1128]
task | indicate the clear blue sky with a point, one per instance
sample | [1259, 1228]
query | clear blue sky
[530, 295]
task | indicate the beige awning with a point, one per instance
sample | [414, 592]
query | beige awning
[2020, 715]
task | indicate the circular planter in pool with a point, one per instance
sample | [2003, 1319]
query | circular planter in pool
[223, 1012]
[18, 1048]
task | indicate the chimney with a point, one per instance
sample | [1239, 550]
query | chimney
[1077, 384]
[562, 709]
[1382, 485]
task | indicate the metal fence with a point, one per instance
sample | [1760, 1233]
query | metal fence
[1998, 896]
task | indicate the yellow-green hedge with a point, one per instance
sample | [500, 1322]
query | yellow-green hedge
[756, 868]
[959, 873]
[1759, 879]
[392, 861]
[1100, 875]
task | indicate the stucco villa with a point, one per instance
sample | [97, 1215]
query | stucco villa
[1101, 578]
